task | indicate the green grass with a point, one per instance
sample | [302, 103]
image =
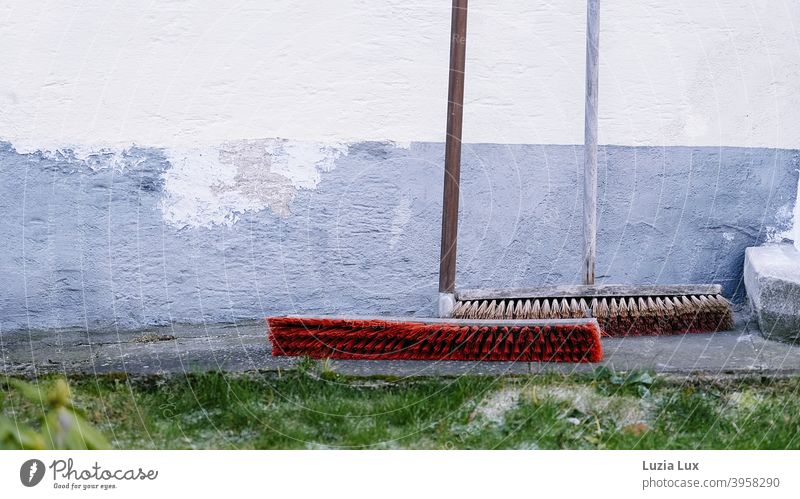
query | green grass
[315, 408]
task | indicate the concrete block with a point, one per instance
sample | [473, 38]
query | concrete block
[772, 279]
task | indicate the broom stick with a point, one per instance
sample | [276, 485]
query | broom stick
[447, 261]
[452, 155]
[590, 141]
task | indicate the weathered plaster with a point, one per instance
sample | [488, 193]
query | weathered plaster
[216, 185]
[87, 241]
[793, 233]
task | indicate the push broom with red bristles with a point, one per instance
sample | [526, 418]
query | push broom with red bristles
[370, 338]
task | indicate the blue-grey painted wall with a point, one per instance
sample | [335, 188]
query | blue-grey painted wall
[88, 246]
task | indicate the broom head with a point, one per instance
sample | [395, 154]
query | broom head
[375, 338]
[621, 310]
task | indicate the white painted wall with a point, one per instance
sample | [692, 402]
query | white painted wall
[191, 75]
[188, 73]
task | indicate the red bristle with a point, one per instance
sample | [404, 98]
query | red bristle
[508, 351]
[380, 339]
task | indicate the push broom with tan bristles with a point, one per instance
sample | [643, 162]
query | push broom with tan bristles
[549, 338]
[621, 310]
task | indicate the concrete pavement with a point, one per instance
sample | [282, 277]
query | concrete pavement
[244, 347]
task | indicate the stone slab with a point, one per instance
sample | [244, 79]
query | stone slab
[772, 279]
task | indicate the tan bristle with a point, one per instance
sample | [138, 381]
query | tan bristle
[575, 309]
[500, 309]
[545, 312]
[723, 305]
[526, 309]
[619, 316]
[547, 309]
[509, 310]
[623, 307]
[600, 308]
[477, 305]
[479, 308]
[642, 308]
[566, 309]
[694, 305]
[633, 309]
[518, 309]
[472, 311]
[536, 309]
[555, 308]
[491, 311]
[461, 309]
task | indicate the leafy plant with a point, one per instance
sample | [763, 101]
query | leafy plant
[62, 425]
[306, 365]
[322, 369]
[633, 383]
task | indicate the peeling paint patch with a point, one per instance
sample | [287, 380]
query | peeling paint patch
[215, 185]
[96, 157]
[785, 227]
[401, 218]
[794, 232]
[789, 215]
[796, 224]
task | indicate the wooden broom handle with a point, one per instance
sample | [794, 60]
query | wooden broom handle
[455, 106]
[452, 151]
[590, 140]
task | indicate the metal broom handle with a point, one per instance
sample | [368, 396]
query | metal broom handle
[590, 140]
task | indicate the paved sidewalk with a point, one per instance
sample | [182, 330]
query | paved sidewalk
[244, 347]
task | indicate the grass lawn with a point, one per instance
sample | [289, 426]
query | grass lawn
[313, 407]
